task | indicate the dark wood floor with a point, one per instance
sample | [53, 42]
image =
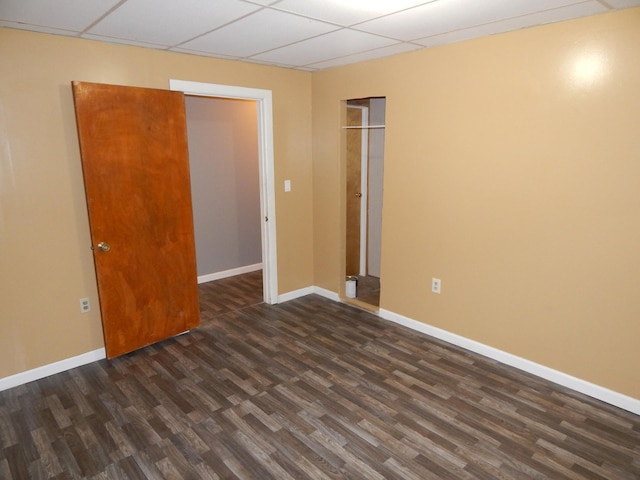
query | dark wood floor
[229, 294]
[308, 389]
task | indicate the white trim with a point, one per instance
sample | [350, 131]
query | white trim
[327, 294]
[51, 369]
[285, 297]
[364, 189]
[302, 292]
[364, 183]
[264, 102]
[601, 393]
[210, 277]
[595, 391]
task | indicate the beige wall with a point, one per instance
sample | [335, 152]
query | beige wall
[512, 174]
[508, 175]
[45, 262]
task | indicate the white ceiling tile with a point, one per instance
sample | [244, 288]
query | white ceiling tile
[549, 16]
[448, 15]
[346, 12]
[290, 33]
[269, 29]
[74, 15]
[263, 2]
[167, 22]
[624, 3]
[335, 44]
[360, 57]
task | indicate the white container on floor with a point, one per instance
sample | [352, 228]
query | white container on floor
[351, 287]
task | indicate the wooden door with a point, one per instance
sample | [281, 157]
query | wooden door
[354, 190]
[133, 143]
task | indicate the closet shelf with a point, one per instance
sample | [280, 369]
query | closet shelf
[363, 126]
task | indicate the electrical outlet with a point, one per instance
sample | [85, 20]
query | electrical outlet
[436, 285]
[85, 305]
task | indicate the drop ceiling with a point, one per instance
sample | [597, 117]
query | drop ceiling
[302, 34]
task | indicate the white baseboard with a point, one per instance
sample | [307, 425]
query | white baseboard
[601, 393]
[229, 273]
[327, 294]
[69, 363]
[595, 391]
[51, 369]
[285, 297]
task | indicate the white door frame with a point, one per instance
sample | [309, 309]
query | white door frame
[364, 184]
[266, 168]
[364, 187]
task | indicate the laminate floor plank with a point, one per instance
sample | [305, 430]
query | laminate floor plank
[308, 389]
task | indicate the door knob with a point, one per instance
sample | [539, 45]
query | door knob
[104, 246]
[359, 195]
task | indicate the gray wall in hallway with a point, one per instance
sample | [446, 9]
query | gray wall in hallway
[223, 153]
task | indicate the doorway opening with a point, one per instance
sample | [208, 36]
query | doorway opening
[261, 100]
[365, 126]
[222, 135]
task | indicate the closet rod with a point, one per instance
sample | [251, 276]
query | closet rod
[364, 126]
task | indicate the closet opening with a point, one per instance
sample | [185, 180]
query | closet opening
[365, 127]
